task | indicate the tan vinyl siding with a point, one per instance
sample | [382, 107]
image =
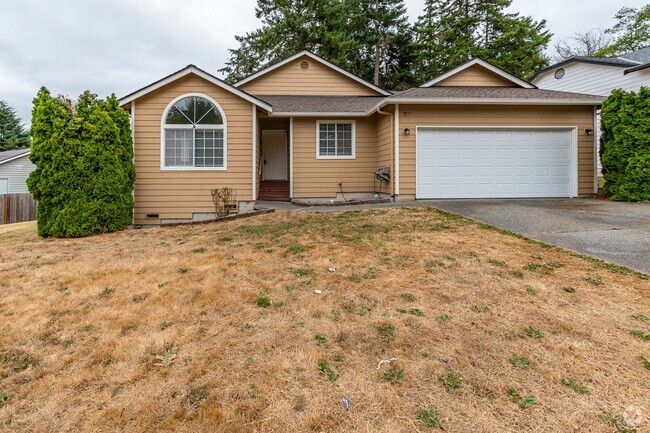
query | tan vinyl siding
[314, 178]
[481, 115]
[17, 172]
[318, 79]
[385, 144]
[178, 194]
[476, 76]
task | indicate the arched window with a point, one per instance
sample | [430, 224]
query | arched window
[194, 134]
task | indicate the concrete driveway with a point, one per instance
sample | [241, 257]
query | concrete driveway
[612, 231]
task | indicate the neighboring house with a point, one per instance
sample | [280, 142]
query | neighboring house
[597, 76]
[307, 130]
[15, 166]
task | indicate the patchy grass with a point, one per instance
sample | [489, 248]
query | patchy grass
[173, 351]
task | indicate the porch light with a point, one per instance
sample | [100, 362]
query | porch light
[407, 131]
[589, 131]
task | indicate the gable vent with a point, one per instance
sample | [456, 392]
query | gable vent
[304, 65]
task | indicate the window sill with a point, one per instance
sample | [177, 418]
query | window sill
[193, 168]
[336, 157]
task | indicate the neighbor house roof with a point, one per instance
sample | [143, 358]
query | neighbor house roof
[639, 56]
[10, 155]
[606, 61]
[191, 69]
[487, 65]
[490, 95]
[318, 59]
[321, 105]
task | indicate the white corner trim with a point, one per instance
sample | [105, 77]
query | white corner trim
[191, 69]
[254, 166]
[162, 135]
[397, 149]
[596, 133]
[133, 159]
[318, 59]
[354, 139]
[15, 157]
[486, 65]
[290, 157]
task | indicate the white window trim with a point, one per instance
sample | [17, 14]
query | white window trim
[223, 127]
[354, 139]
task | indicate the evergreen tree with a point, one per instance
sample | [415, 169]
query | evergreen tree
[12, 133]
[451, 32]
[345, 32]
[84, 173]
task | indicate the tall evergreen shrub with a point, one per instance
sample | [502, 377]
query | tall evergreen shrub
[626, 141]
[84, 173]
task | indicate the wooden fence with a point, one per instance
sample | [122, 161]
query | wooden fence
[16, 208]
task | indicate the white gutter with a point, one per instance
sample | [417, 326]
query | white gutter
[15, 157]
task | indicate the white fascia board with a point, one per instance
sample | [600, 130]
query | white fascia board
[488, 101]
[486, 65]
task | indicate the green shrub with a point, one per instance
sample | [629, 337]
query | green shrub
[84, 173]
[626, 145]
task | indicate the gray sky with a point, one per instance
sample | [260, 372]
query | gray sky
[121, 45]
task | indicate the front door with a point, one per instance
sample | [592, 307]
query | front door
[274, 155]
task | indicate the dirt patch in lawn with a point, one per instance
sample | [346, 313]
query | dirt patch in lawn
[220, 328]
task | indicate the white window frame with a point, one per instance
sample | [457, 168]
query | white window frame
[223, 127]
[354, 139]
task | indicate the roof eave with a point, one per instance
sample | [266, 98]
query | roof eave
[567, 61]
[13, 158]
[487, 101]
[320, 114]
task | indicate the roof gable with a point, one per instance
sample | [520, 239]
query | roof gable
[478, 73]
[191, 69]
[601, 61]
[306, 73]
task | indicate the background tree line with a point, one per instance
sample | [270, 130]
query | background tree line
[374, 39]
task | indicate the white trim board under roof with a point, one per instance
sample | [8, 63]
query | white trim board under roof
[318, 59]
[191, 69]
[490, 67]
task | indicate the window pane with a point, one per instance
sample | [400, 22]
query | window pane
[209, 148]
[176, 117]
[178, 147]
[211, 117]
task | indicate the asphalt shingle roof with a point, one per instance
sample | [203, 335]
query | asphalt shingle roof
[9, 154]
[641, 56]
[320, 104]
[442, 92]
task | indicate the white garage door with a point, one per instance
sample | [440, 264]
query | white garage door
[493, 163]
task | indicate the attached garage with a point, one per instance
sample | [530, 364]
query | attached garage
[491, 162]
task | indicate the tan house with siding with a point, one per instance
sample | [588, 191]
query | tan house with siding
[306, 130]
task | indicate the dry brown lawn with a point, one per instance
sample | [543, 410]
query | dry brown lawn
[160, 329]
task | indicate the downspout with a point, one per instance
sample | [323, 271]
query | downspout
[392, 155]
[133, 138]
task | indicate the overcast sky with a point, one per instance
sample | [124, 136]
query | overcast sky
[121, 45]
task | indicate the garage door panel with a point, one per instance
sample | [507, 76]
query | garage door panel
[480, 163]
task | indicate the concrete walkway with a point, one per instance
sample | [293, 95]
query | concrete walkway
[612, 231]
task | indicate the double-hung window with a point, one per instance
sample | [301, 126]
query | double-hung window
[335, 140]
[194, 135]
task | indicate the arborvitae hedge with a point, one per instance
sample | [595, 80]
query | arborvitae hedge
[626, 141]
[84, 173]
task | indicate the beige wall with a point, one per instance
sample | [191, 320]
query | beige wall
[385, 139]
[476, 75]
[318, 79]
[319, 178]
[481, 115]
[177, 194]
